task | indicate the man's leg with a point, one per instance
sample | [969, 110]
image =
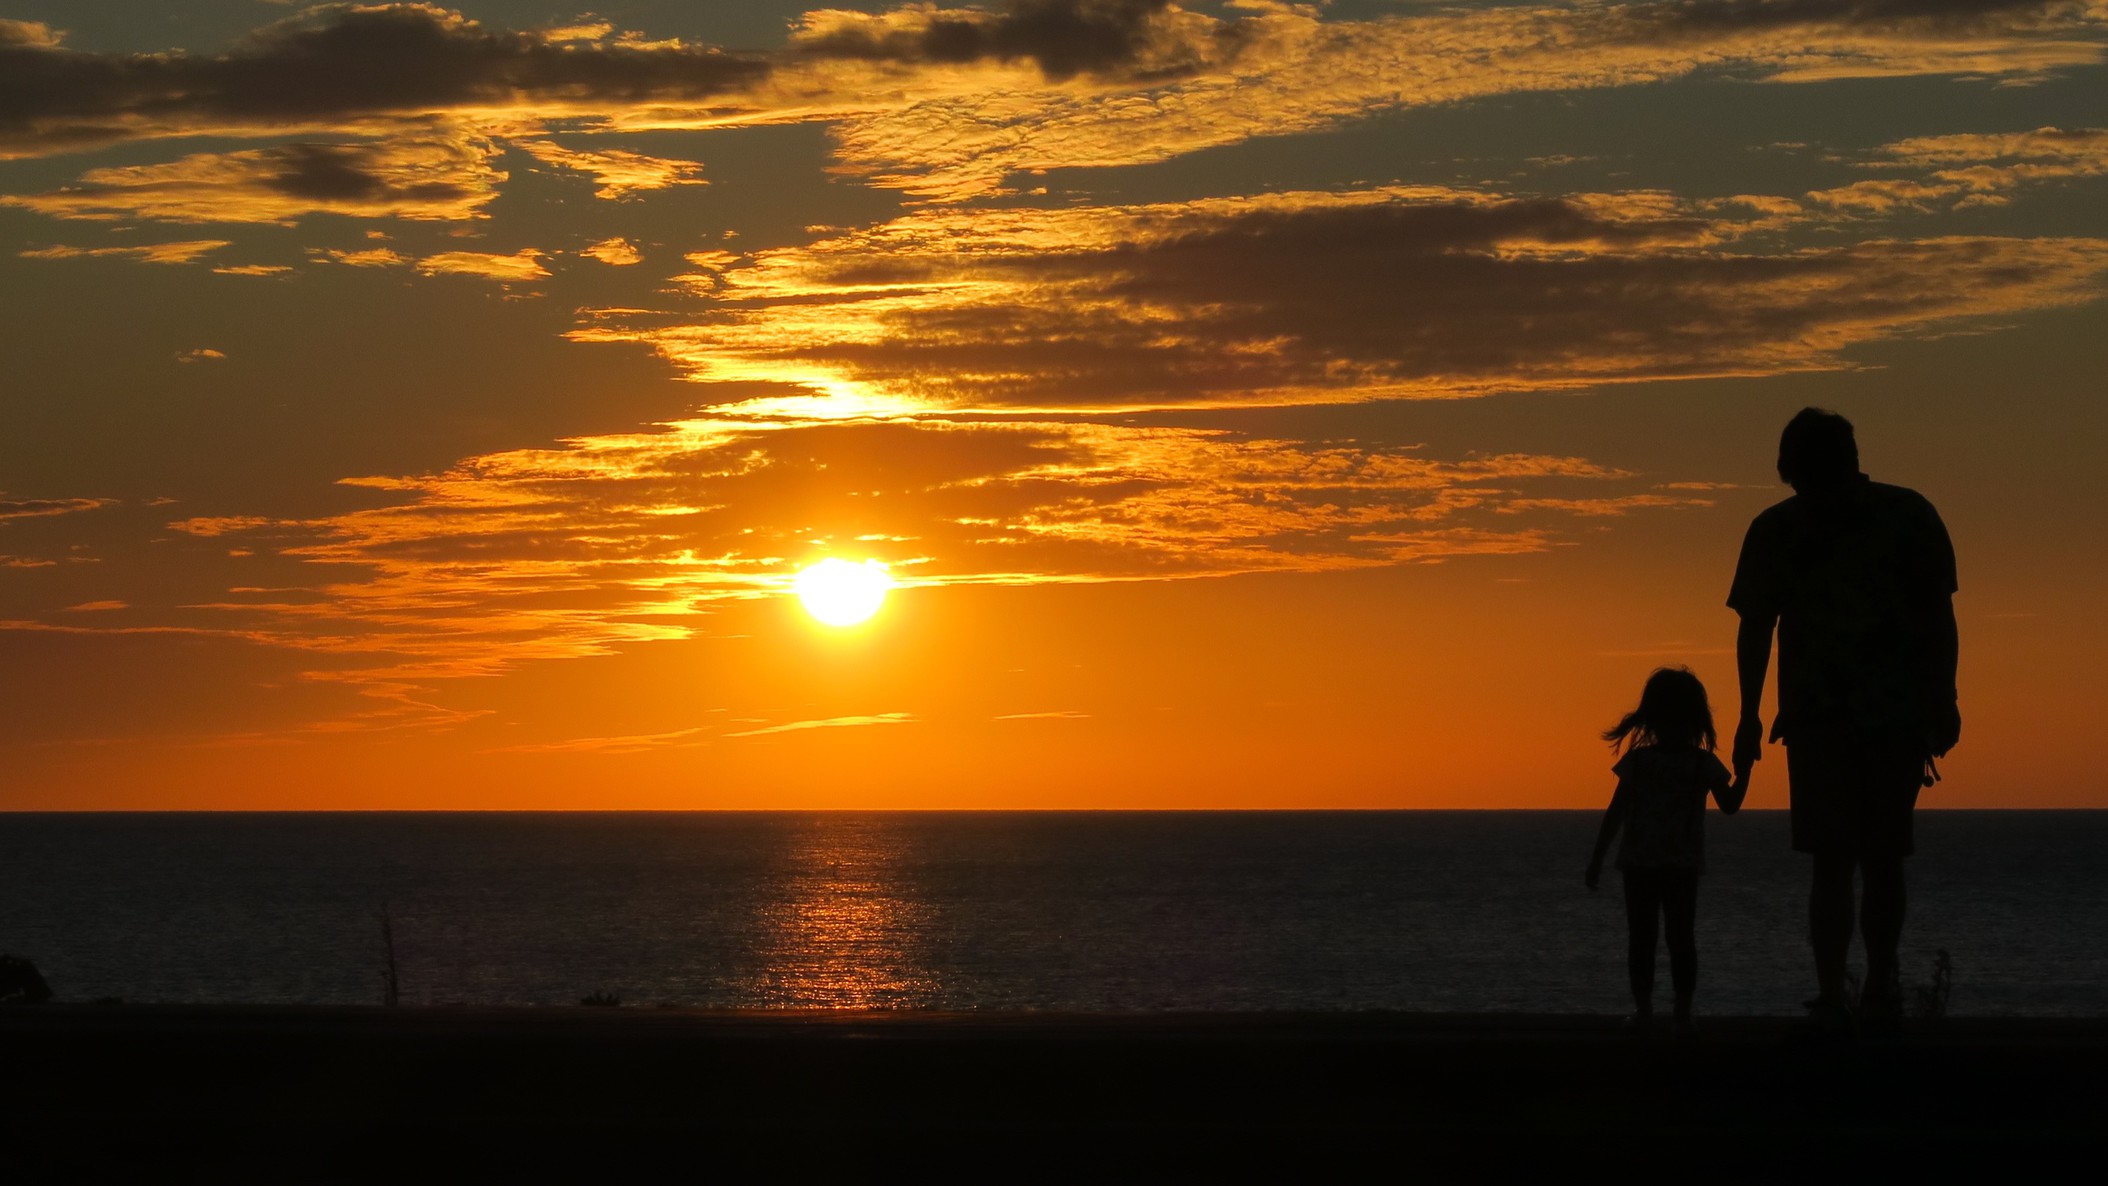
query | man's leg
[1889, 796]
[1819, 780]
[1881, 903]
[1830, 922]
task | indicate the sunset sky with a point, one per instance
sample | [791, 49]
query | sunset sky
[1255, 404]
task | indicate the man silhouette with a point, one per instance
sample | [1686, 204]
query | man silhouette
[1859, 579]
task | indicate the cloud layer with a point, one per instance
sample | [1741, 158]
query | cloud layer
[948, 103]
[616, 540]
[958, 390]
[337, 64]
[1326, 297]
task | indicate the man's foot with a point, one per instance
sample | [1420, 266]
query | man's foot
[1880, 1014]
[1830, 1019]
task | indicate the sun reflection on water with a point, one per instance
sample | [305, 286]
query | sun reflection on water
[848, 931]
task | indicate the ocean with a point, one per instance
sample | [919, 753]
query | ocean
[1087, 911]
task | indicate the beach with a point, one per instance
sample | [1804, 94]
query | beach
[302, 1093]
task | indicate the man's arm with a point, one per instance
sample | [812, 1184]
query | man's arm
[1729, 795]
[1943, 718]
[1752, 663]
[1947, 648]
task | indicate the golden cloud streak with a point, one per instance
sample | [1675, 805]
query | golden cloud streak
[40, 508]
[187, 251]
[1973, 169]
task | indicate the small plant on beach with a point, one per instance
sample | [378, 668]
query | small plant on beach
[603, 1000]
[1929, 1001]
[21, 983]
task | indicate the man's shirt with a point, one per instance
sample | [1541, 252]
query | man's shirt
[1858, 580]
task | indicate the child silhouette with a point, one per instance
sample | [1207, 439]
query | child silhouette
[1666, 772]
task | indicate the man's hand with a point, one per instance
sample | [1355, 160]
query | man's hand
[1749, 745]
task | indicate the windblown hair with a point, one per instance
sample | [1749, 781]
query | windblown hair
[1673, 711]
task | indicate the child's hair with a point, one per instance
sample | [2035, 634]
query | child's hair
[1673, 711]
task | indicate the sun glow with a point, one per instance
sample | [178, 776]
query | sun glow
[840, 593]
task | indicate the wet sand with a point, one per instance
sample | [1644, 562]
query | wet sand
[285, 1094]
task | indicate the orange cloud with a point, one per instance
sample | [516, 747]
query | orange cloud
[437, 176]
[620, 174]
[1972, 169]
[616, 252]
[1983, 163]
[522, 265]
[1882, 196]
[39, 508]
[183, 252]
[372, 257]
[27, 35]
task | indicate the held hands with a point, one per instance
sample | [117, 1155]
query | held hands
[1730, 800]
[1749, 746]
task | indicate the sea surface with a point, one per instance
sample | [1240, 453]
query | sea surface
[1464, 911]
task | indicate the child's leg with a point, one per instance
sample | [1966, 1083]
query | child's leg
[1642, 907]
[1680, 924]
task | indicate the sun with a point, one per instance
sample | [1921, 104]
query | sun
[840, 593]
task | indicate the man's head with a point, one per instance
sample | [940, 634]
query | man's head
[1817, 451]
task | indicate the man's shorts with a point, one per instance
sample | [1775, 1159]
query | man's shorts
[1853, 796]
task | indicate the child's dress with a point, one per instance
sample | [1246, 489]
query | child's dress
[1666, 786]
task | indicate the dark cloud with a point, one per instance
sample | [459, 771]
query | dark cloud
[1323, 298]
[325, 172]
[1728, 15]
[1063, 37]
[435, 173]
[340, 62]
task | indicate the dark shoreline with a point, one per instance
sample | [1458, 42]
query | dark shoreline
[297, 1092]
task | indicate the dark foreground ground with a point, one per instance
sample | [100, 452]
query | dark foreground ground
[585, 1094]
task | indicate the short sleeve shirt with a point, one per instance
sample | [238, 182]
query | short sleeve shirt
[1665, 788]
[1858, 582]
